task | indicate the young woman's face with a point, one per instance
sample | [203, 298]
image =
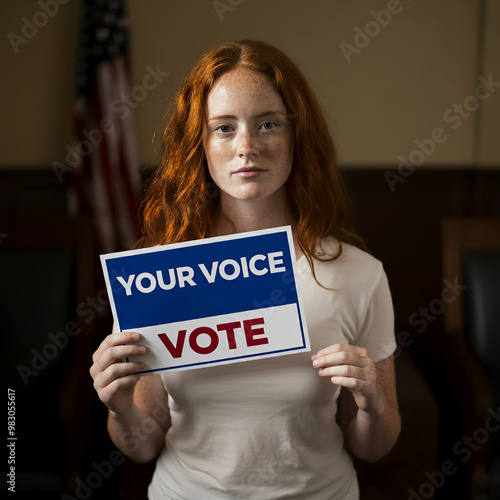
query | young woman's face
[247, 137]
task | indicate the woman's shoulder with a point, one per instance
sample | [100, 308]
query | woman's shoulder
[350, 254]
[353, 265]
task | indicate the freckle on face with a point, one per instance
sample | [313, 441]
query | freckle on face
[248, 81]
[244, 95]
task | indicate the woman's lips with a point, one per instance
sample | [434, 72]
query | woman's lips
[249, 172]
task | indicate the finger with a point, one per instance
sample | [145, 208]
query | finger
[118, 354]
[115, 355]
[335, 348]
[115, 372]
[343, 358]
[114, 339]
[329, 350]
[354, 384]
[346, 371]
[106, 394]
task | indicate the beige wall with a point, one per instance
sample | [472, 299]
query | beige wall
[398, 89]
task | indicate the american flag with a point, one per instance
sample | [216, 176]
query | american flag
[106, 180]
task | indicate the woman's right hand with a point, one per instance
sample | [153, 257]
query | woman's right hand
[114, 378]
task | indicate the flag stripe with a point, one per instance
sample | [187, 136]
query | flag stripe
[106, 177]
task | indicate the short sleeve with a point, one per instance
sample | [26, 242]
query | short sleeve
[377, 332]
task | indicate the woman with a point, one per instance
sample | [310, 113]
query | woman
[247, 122]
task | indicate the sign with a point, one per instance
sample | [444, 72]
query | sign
[209, 302]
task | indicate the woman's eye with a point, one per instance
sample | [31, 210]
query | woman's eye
[223, 128]
[268, 125]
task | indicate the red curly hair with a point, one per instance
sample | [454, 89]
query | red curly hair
[182, 201]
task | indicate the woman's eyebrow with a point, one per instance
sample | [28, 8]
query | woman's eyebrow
[266, 113]
[222, 117]
[260, 115]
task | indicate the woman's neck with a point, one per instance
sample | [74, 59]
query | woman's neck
[249, 215]
[252, 215]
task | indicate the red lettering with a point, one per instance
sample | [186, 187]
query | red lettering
[249, 326]
[229, 328]
[214, 340]
[251, 332]
[175, 351]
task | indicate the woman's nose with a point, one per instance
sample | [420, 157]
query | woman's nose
[247, 145]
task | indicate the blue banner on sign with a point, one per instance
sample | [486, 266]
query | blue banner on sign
[170, 284]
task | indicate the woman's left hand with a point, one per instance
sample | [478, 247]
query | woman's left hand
[352, 367]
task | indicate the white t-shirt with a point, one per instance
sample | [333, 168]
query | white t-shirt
[265, 429]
